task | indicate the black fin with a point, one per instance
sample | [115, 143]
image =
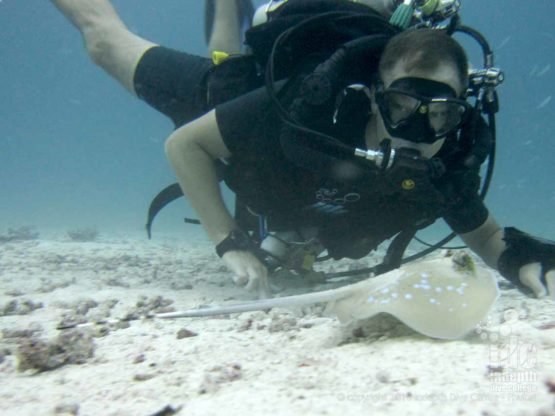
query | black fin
[164, 197]
[208, 19]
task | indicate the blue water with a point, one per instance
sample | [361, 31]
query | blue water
[78, 150]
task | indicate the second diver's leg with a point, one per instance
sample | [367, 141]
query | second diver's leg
[109, 42]
[224, 21]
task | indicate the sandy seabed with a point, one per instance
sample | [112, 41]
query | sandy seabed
[278, 362]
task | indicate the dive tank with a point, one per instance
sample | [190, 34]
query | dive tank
[277, 246]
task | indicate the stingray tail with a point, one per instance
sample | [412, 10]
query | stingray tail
[260, 305]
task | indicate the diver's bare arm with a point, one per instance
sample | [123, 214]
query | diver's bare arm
[191, 150]
[486, 241]
[109, 42]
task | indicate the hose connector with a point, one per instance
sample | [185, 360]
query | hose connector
[486, 77]
[429, 11]
[382, 160]
[438, 10]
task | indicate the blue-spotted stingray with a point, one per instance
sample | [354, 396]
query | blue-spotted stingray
[441, 298]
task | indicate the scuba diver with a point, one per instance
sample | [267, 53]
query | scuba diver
[343, 126]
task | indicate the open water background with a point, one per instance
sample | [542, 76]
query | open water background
[77, 150]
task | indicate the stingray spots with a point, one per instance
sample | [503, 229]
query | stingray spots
[421, 286]
[384, 296]
[432, 297]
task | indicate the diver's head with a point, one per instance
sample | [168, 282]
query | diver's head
[420, 93]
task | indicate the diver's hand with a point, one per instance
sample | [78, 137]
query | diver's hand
[541, 282]
[248, 271]
[528, 262]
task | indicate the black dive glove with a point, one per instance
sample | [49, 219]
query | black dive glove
[523, 249]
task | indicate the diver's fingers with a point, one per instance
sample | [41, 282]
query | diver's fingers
[258, 279]
[550, 279]
[240, 262]
[240, 279]
[247, 271]
[264, 291]
[530, 276]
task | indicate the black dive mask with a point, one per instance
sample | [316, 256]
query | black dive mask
[420, 110]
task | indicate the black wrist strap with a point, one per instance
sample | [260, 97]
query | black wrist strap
[235, 240]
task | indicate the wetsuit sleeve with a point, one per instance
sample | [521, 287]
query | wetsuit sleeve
[257, 171]
[467, 216]
[248, 124]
